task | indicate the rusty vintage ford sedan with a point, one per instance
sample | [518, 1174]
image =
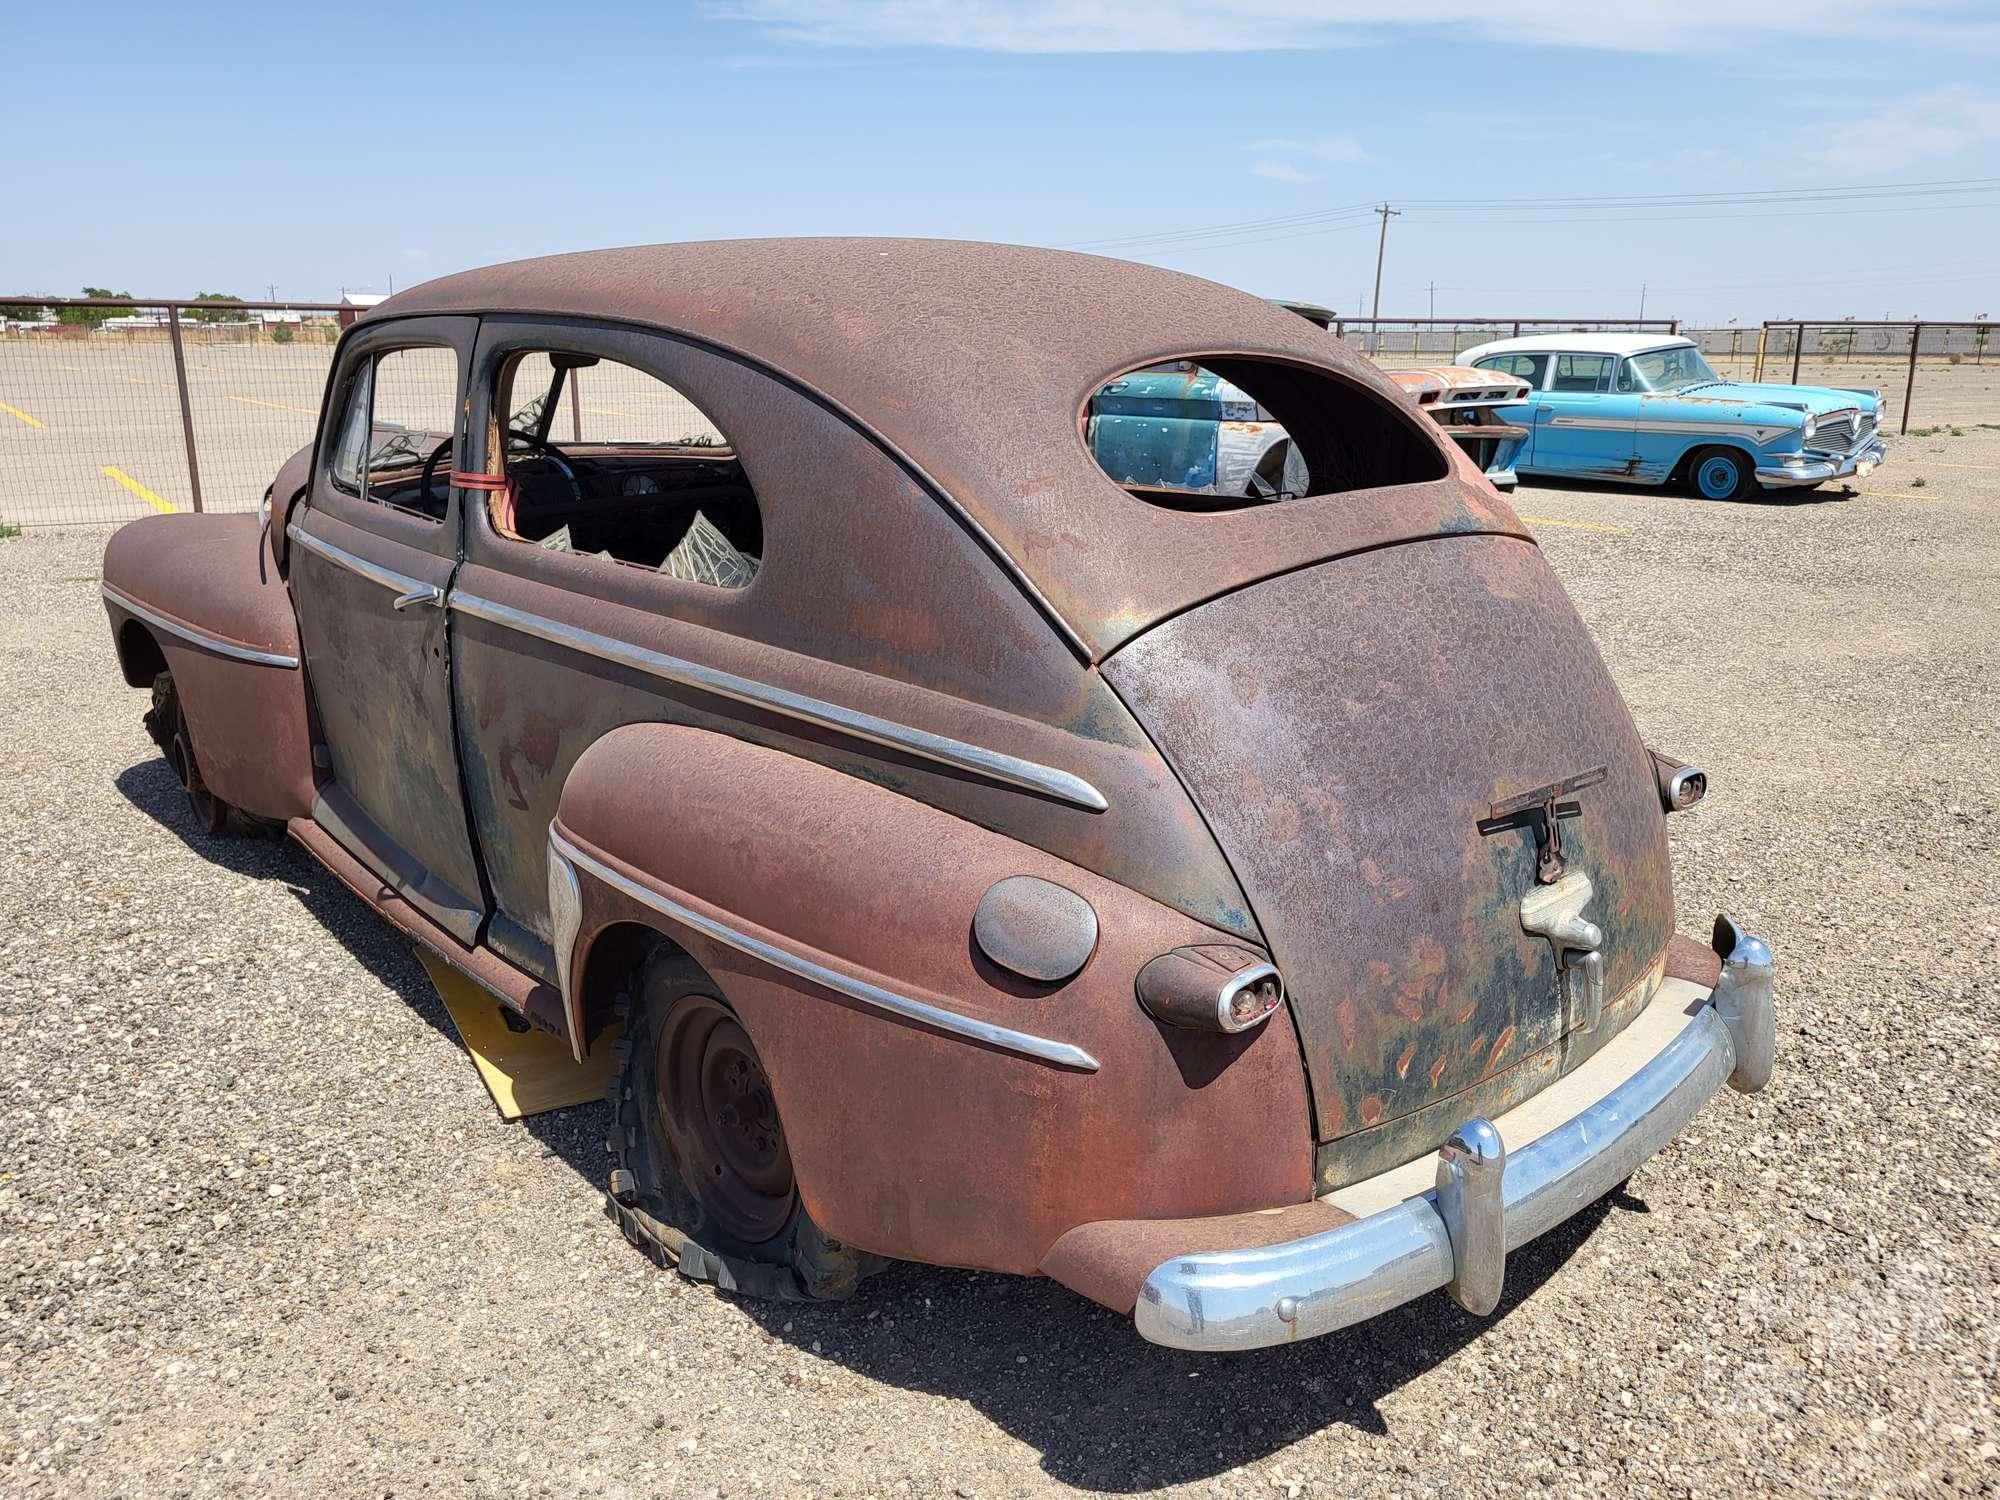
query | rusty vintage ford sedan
[1252, 911]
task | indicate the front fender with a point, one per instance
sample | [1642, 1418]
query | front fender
[204, 591]
[810, 896]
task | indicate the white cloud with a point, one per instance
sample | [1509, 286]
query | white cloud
[1089, 26]
[1279, 171]
[1342, 150]
[1943, 122]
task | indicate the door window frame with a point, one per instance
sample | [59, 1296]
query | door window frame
[501, 338]
[439, 537]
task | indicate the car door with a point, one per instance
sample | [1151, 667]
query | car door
[372, 556]
[1582, 425]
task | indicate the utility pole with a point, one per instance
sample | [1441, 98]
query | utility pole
[1434, 299]
[272, 288]
[1382, 245]
[1642, 302]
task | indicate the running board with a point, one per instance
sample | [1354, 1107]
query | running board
[521, 993]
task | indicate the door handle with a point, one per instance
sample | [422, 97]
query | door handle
[430, 593]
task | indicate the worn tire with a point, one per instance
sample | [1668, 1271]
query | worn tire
[168, 727]
[1722, 474]
[675, 1193]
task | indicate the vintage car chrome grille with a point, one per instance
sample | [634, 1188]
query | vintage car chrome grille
[1841, 432]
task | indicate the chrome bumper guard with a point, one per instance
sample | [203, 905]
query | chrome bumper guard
[1811, 469]
[1486, 1201]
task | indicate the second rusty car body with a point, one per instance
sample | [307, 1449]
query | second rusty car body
[1251, 912]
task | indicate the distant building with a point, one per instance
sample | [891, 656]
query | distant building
[354, 304]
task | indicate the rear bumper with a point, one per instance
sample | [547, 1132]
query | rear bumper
[1450, 1220]
[1813, 468]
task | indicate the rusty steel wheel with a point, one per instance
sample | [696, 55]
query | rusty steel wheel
[703, 1176]
[711, 1092]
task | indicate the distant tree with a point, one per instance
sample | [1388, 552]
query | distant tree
[281, 333]
[224, 314]
[91, 317]
[22, 312]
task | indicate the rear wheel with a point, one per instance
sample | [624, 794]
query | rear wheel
[703, 1177]
[1722, 474]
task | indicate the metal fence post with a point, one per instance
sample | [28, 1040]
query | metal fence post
[1763, 333]
[575, 409]
[187, 411]
[1910, 385]
[1798, 349]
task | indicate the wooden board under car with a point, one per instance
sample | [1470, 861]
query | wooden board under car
[527, 1072]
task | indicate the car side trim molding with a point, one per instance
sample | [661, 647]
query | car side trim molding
[220, 645]
[989, 765]
[401, 584]
[870, 996]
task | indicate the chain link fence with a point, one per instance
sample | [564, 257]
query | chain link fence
[113, 409]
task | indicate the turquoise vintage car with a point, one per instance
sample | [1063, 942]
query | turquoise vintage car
[1183, 428]
[1648, 409]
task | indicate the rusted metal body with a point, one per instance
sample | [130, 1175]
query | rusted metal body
[968, 658]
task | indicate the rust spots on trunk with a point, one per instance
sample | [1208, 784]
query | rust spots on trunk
[1403, 1063]
[1500, 1045]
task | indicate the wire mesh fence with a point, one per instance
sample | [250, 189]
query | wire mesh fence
[114, 409]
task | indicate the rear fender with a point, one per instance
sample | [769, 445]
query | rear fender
[201, 596]
[938, 1107]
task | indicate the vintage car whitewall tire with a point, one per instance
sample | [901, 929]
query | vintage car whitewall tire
[702, 1177]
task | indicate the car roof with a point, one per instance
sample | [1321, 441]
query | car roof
[1580, 343]
[972, 362]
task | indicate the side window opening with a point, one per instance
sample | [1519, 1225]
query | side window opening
[1529, 367]
[1223, 433]
[398, 436]
[608, 461]
[1582, 372]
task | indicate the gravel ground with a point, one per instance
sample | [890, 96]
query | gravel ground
[261, 1232]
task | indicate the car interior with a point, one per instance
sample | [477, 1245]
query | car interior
[608, 461]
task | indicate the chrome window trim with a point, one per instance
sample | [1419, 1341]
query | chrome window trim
[218, 644]
[872, 996]
[388, 578]
[989, 764]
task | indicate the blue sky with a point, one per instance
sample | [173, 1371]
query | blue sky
[316, 148]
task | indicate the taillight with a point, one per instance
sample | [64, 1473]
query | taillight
[1681, 785]
[1213, 987]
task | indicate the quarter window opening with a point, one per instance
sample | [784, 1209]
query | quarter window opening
[607, 461]
[1222, 434]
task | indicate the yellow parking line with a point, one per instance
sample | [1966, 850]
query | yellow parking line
[1572, 525]
[274, 405]
[15, 411]
[139, 489]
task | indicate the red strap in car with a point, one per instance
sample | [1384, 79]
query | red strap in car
[467, 481]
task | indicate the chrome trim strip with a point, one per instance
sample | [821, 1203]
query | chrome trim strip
[990, 764]
[565, 916]
[1246, 1299]
[874, 997]
[388, 578]
[1760, 432]
[201, 638]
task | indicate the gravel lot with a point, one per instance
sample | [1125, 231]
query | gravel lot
[261, 1231]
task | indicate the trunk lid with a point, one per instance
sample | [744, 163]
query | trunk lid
[1346, 730]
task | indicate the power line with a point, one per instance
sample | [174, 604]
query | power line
[1638, 208]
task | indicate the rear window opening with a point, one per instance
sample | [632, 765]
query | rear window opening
[1225, 433]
